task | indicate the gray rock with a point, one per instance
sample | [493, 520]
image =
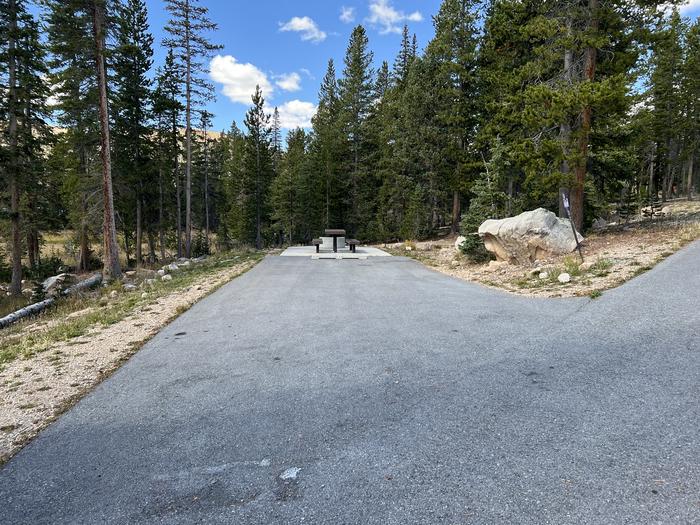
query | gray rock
[458, 242]
[530, 236]
[161, 273]
[128, 287]
[58, 282]
[564, 278]
[166, 277]
[599, 224]
[544, 275]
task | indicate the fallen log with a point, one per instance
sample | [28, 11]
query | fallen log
[39, 307]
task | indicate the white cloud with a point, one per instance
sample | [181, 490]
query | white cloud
[295, 114]
[691, 5]
[383, 15]
[306, 26]
[289, 82]
[238, 79]
[347, 15]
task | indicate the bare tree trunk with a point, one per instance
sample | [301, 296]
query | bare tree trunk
[590, 60]
[652, 172]
[206, 189]
[139, 232]
[258, 232]
[689, 186]
[565, 127]
[188, 136]
[456, 211]
[161, 231]
[16, 282]
[151, 247]
[178, 191]
[112, 269]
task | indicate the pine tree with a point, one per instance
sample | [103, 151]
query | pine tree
[454, 51]
[325, 152]
[187, 28]
[407, 53]
[276, 139]
[111, 266]
[23, 107]
[355, 93]
[258, 166]
[166, 112]
[132, 110]
[71, 44]
[287, 189]
[690, 94]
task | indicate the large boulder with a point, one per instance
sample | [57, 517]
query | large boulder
[530, 236]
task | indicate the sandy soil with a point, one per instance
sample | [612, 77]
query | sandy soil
[616, 254]
[35, 390]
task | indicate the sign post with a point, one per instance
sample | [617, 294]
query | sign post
[567, 207]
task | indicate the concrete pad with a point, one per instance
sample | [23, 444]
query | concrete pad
[310, 251]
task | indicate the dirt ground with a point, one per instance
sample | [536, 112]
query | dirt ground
[34, 390]
[612, 256]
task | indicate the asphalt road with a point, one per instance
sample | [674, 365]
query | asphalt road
[381, 392]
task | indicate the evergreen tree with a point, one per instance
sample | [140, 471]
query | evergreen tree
[454, 52]
[690, 94]
[355, 94]
[258, 169]
[132, 113]
[287, 189]
[187, 28]
[23, 108]
[325, 153]
[74, 82]
[166, 112]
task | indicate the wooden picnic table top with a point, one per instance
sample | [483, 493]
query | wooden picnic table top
[335, 233]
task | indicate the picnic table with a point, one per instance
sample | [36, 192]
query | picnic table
[335, 234]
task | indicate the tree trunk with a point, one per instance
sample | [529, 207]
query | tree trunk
[689, 187]
[206, 190]
[188, 134]
[456, 211]
[139, 233]
[178, 191]
[16, 282]
[151, 247]
[112, 269]
[590, 59]
[565, 128]
[161, 230]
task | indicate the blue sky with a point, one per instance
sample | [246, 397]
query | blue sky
[285, 46]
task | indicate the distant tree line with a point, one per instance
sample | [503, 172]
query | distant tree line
[511, 103]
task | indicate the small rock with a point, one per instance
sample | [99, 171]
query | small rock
[409, 248]
[173, 267]
[564, 278]
[144, 295]
[458, 242]
[497, 264]
[666, 211]
[128, 287]
[185, 264]
[150, 282]
[599, 224]
[130, 273]
[161, 272]
[166, 277]
[544, 275]
[586, 266]
[113, 294]
[455, 263]
[103, 301]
